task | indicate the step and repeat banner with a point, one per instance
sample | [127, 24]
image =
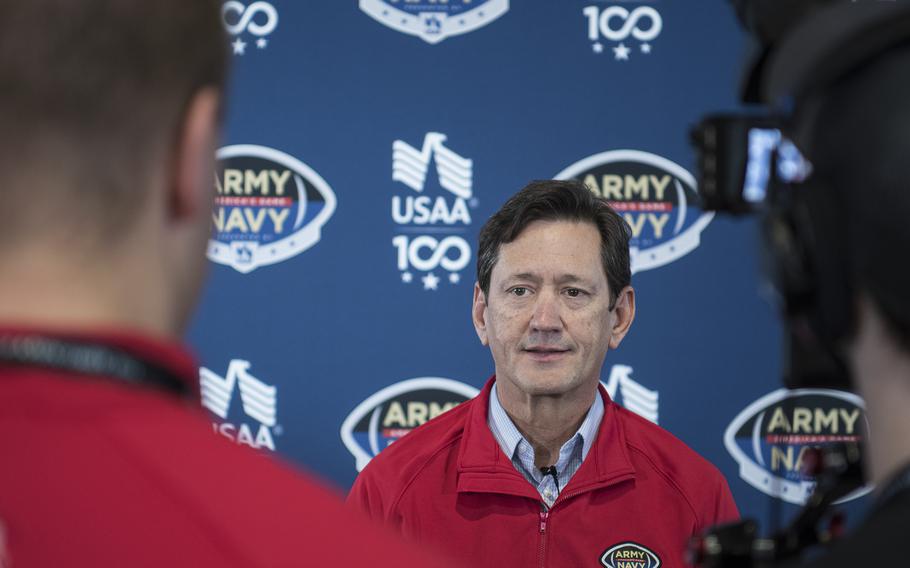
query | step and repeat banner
[367, 142]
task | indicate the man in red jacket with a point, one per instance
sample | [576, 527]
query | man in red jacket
[109, 111]
[541, 468]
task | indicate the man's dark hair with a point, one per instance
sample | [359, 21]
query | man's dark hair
[861, 144]
[91, 96]
[555, 200]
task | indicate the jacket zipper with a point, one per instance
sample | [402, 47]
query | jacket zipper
[544, 518]
[542, 551]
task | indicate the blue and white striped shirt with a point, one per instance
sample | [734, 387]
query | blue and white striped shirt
[520, 451]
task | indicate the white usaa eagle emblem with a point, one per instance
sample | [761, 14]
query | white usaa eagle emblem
[433, 21]
[635, 397]
[259, 399]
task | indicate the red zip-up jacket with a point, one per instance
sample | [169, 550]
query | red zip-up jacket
[98, 473]
[638, 496]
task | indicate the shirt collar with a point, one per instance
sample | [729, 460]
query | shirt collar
[483, 467]
[509, 438]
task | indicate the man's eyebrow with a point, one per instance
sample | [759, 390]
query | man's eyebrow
[561, 280]
[527, 276]
[574, 279]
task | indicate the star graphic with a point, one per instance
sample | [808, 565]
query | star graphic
[430, 281]
[261, 43]
[597, 47]
[621, 52]
[646, 48]
[239, 46]
[406, 277]
[454, 278]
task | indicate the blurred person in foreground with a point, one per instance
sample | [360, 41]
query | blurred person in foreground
[851, 119]
[109, 119]
[542, 468]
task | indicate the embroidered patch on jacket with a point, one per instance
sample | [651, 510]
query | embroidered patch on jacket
[629, 555]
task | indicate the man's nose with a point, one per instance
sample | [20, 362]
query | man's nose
[546, 316]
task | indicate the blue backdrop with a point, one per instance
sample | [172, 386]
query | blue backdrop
[365, 145]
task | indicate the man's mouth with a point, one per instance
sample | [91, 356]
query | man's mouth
[546, 352]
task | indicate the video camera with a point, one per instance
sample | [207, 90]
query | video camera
[760, 162]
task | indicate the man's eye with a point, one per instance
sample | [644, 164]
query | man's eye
[574, 292]
[519, 291]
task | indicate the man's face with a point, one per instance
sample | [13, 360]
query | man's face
[547, 319]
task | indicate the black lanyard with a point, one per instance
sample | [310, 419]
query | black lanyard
[87, 358]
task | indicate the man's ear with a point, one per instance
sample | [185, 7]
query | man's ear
[622, 316]
[191, 190]
[479, 314]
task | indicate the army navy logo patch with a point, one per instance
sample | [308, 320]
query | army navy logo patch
[656, 197]
[629, 555]
[770, 437]
[269, 207]
[434, 20]
[397, 409]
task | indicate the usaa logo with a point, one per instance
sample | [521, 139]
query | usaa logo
[421, 218]
[269, 207]
[631, 394]
[434, 20]
[259, 401]
[621, 23]
[397, 409]
[629, 555]
[770, 437]
[259, 20]
[655, 196]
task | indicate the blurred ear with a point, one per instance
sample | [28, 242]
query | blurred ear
[479, 313]
[194, 160]
[623, 314]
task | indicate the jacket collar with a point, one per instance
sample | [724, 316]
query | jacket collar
[484, 467]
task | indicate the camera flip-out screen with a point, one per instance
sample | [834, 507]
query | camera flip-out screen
[739, 157]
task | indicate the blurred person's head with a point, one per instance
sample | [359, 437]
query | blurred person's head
[109, 116]
[856, 131]
[860, 143]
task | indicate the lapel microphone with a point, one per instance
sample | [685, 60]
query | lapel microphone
[551, 470]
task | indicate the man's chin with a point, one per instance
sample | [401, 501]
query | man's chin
[546, 385]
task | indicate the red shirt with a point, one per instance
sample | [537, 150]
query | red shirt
[96, 473]
[449, 484]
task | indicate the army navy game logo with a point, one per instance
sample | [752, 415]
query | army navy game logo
[770, 437]
[656, 198]
[394, 411]
[434, 20]
[269, 207]
[431, 229]
[256, 21]
[625, 28]
[629, 555]
[259, 401]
